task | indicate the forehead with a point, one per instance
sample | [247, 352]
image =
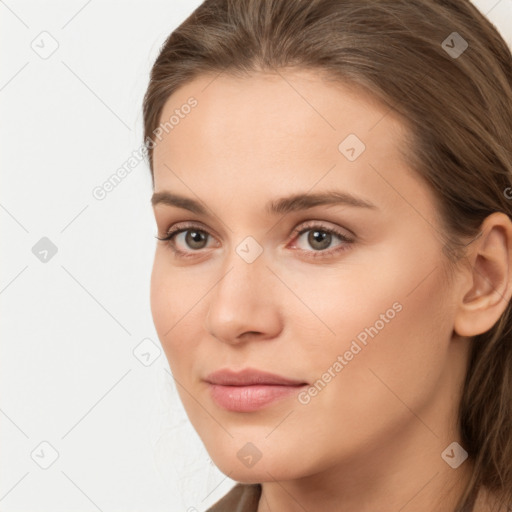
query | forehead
[273, 112]
[280, 130]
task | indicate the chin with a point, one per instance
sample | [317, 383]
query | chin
[264, 470]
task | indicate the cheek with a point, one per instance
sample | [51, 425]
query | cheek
[391, 300]
[401, 361]
[172, 302]
[160, 298]
[392, 331]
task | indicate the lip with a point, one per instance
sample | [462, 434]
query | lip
[250, 389]
[249, 377]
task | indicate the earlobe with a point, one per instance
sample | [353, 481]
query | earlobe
[489, 278]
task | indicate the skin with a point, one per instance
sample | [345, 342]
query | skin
[372, 439]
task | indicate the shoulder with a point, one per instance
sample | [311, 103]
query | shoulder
[241, 498]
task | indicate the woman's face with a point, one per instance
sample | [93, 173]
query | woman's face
[309, 251]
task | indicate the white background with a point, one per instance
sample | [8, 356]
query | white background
[70, 325]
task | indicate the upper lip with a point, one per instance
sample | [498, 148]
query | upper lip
[249, 377]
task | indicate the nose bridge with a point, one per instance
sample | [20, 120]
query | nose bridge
[244, 278]
[241, 300]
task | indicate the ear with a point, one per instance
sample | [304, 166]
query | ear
[487, 284]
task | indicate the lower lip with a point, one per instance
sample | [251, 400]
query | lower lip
[250, 398]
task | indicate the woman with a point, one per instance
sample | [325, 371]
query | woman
[332, 282]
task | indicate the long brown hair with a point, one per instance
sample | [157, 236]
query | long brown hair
[456, 102]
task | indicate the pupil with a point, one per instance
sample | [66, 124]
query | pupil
[319, 239]
[194, 239]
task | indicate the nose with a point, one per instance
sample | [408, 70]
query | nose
[244, 304]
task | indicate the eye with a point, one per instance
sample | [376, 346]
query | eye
[185, 239]
[315, 235]
[192, 238]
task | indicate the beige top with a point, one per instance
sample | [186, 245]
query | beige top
[242, 498]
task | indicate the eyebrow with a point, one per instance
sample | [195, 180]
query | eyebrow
[295, 202]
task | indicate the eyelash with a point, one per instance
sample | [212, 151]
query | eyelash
[304, 228]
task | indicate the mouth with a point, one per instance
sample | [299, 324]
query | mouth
[250, 390]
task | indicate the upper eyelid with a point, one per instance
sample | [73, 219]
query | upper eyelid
[310, 224]
[183, 226]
